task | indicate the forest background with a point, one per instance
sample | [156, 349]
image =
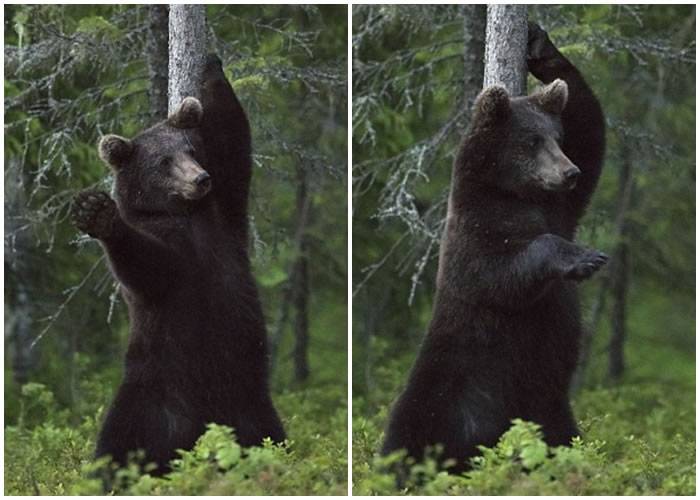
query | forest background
[73, 73]
[416, 71]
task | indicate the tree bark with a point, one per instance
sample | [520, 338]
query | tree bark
[157, 59]
[188, 46]
[276, 339]
[301, 281]
[506, 48]
[474, 28]
[18, 266]
[620, 269]
[619, 311]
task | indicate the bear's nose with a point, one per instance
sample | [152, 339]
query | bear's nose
[571, 174]
[202, 178]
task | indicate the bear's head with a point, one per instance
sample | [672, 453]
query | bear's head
[160, 170]
[515, 144]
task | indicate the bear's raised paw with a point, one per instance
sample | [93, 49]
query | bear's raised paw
[590, 262]
[94, 212]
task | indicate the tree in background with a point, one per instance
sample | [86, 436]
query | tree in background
[415, 71]
[187, 42]
[506, 48]
[55, 110]
[76, 72]
[408, 91]
[157, 56]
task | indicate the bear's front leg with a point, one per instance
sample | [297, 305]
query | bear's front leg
[582, 118]
[227, 144]
[543, 58]
[141, 263]
[517, 279]
[565, 259]
[94, 213]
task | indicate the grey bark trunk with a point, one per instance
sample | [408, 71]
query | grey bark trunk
[18, 265]
[188, 46]
[506, 48]
[157, 59]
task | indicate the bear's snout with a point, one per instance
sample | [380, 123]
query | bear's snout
[202, 179]
[571, 176]
[188, 179]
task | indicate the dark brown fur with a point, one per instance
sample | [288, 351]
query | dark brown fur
[197, 351]
[503, 340]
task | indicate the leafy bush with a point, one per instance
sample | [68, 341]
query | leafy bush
[638, 439]
[47, 453]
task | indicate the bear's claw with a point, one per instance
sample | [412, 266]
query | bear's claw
[93, 212]
[587, 265]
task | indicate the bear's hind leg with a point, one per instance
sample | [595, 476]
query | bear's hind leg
[559, 426]
[140, 420]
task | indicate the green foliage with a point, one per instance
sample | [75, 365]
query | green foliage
[620, 454]
[638, 436]
[49, 452]
[408, 85]
[75, 72]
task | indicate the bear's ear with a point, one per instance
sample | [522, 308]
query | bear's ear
[553, 97]
[188, 114]
[492, 107]
[115, 150]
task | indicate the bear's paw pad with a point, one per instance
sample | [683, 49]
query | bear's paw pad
[93, 212]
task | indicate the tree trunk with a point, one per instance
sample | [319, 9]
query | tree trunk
[474, 25]
[618, 318]
[188, 46]
[506, 48]
[276, 339]
[620, 269]
[301, 281]
[18, 265]
[157, 59]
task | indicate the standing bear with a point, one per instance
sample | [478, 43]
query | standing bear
[176, 237]
[503, 342]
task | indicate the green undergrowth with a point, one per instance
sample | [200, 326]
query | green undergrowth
[637, 433]
[48, 452]
[637, 439]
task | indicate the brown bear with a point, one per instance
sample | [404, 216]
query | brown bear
[176, 236]
[503, 342]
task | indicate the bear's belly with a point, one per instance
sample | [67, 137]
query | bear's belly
[524, 357]
[207, 332]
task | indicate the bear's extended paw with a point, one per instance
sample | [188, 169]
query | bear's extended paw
[94, 213]
[541, 52]
[213, 69]
[586, 265]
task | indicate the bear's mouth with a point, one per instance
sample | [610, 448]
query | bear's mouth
[557, 187]
[191, 191]
[560, 187]
[196, 192]
[569, 184]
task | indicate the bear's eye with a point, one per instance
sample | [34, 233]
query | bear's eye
[534, 141]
